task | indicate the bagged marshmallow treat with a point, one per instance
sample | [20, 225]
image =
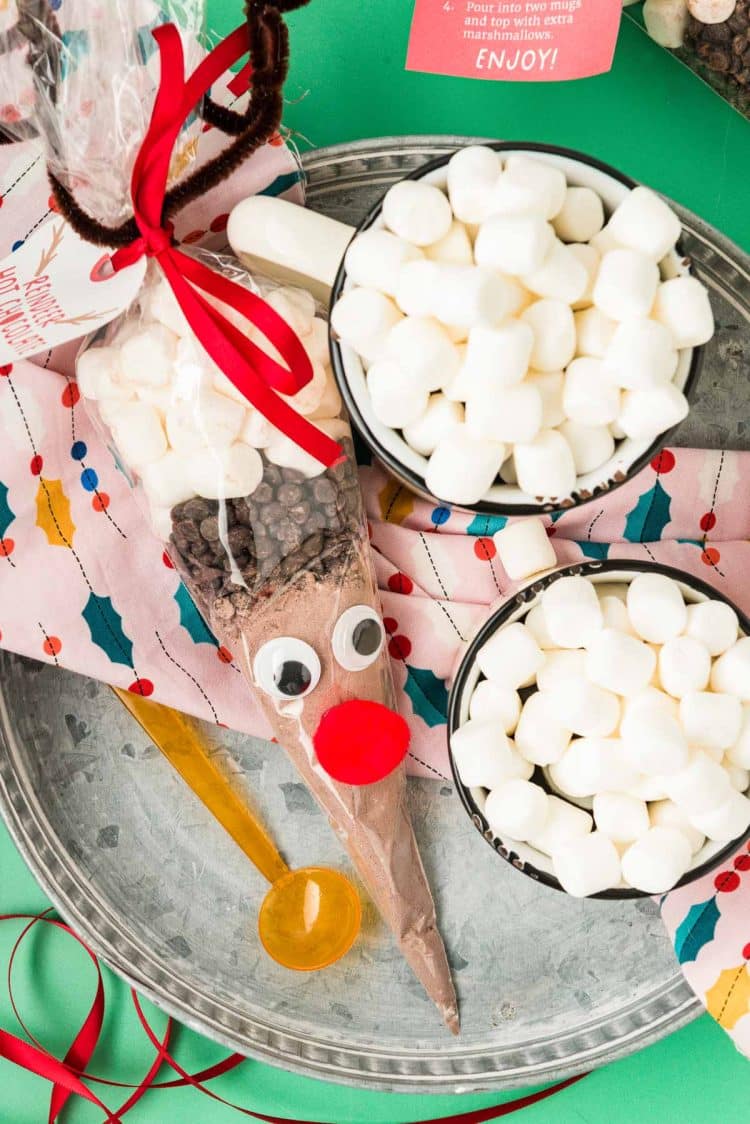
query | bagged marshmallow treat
[264, 522]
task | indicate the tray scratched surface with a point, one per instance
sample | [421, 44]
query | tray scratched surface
[548, 986]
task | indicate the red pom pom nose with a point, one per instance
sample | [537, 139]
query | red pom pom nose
[360, 742]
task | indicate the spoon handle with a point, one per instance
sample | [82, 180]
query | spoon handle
[180, 741]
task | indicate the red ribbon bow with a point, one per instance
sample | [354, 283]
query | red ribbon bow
[247, 366]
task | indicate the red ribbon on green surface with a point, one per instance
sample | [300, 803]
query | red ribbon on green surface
[255, 374]
[68, 1076]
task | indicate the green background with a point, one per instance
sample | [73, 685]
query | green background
[654, 120]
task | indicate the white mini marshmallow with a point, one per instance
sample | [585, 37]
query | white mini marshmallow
[439, 419]
[465, 295]
[620, 817]
[727, 822]
[545, 466]
[648, 789]
[682, 305]
[535, 622]
[524, 548]
[711, 719]
[540, 737]
[644, 222]
[561, 276]
[497, 357]
[656, 607]
[482, 754]
[211, 420]
[641, 355]
[454, 248]
[257, 430]
[665, 813]
[615, 613]
[517, 245]
[160, 303]
[589, 257]
[166, 482]
[739, 778]
[572, 611]
[306, 400]
[731, 671]
[591, 765]
[330, 404]
[684, 666]
[603, 242]
[626, 284]
[666, 21]
[591, 445]
[226, 473]
[397, 399]
[657, 861]
[375, 257]
[139, 434]
[508, 471]
[586, 709]
[417, 211]
[462, 469]
[702, 786]
[581, 215]
[714, 623]
[653, 739]
[711, 11]
[416, 286]
[517, 809]
[511, 657]
[98, 375]
[587, 864]
[295, 306]
[472, 174]
[564, 822]
[315, 342]
[512, 415]
[148, 356]
[491, 702]
[619, 663]
[554, 334]
[647, 413]
[588, 396]
[424, 350]
[545, 183]
[594, 332]
[363, 318]
[550, 386]
[561, 665]
[739, 753]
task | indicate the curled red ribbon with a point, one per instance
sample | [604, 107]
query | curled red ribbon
[255, 374]
[67, 1076]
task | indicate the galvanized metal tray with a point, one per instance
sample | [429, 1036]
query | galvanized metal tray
[548, 986]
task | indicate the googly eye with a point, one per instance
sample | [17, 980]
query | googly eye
[358, 638]
[286, 668]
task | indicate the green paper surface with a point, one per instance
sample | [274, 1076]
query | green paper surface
[652, 119]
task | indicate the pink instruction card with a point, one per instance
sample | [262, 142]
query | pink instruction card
[514, 40]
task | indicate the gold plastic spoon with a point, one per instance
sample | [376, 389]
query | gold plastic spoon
[310, 917]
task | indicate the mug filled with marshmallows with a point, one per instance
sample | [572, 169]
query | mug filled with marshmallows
[515, 328]
[599, 727]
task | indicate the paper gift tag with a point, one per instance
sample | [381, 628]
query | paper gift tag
[56, 288]
[514, 40]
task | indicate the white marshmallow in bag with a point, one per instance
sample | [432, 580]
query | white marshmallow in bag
[417, 212]
[98, 375]
[729, 821]
[210, 419]
[554, 334]
[139, 434]
[656, 607]
[524, 548]
[257, 430]
[540, 737]
[465, 295]
[454, 248]
[160, 303]
[653, 739]
[374, 260]
[711, 719]
[714, 623]
[511, 657]
[622, 818]
[492, 702]
[306, 400]
[397, 398]
[286, 453]
[572, 611]
[588, 396]
[362, 318]
[440, 418]
[701, 787]
[545, 184]
[416, 286]
[462, 469]
[512, 414]
[166, 482]
[591, 445]
[225, 473]
[148, 357]
[731, 671]
[316, 343]
[581, 215]
[666, 22]
[665, 813]
[424, 351]
[626, 284]
[561, 276]
[517, 809]
[517, 245]
[619, 663]
[545, 466]
[330, 404]
[497, 357]
[564, 822]
[295, 306]
[587, 864]
[641, 354]
[684, 666]
[644, 222]
[657, 861]
[682, 305]
[647, 413]
[550, 386]
[594, 332]
[482, 753]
